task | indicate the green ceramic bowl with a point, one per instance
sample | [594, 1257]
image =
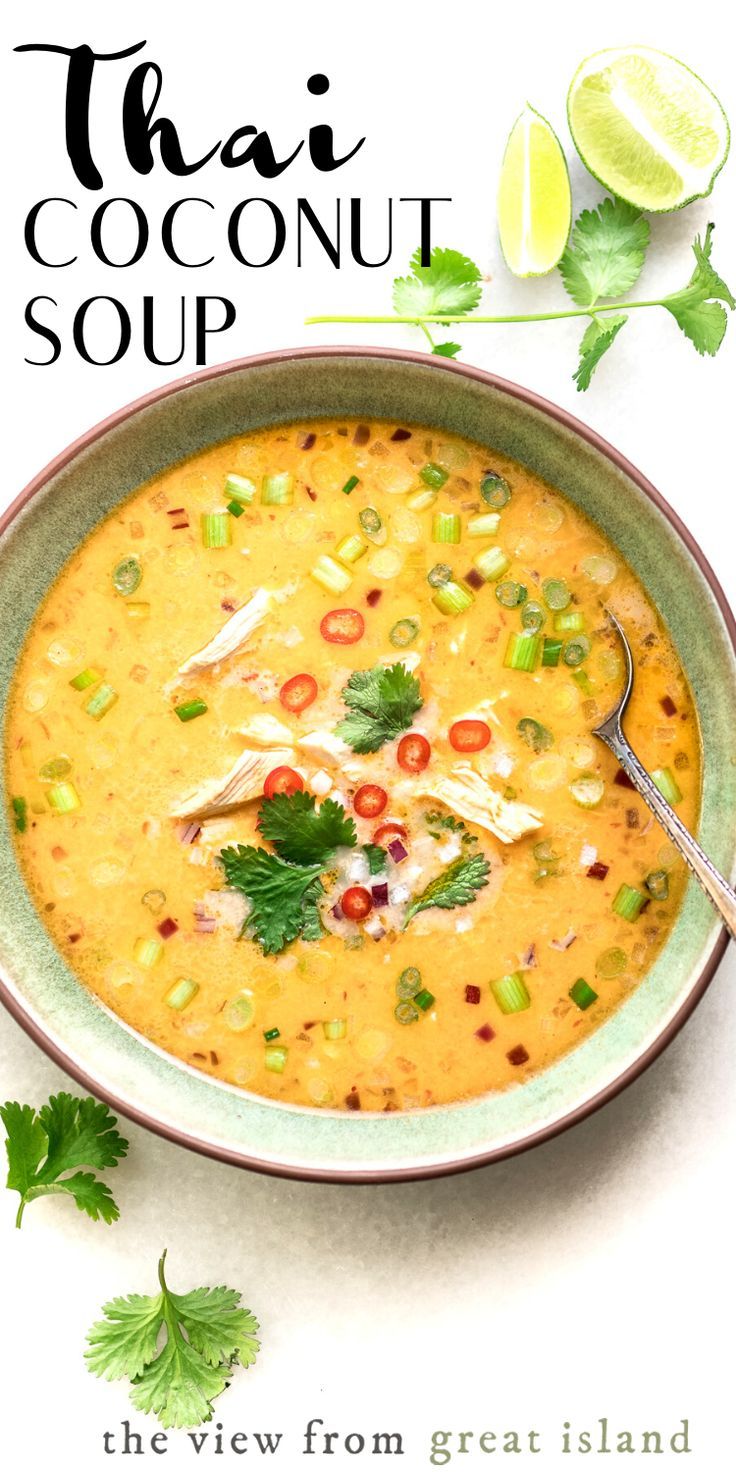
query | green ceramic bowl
[66, 500]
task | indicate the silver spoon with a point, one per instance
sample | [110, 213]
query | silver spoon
[718, 891]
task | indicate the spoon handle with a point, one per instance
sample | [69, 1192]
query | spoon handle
[721, 894]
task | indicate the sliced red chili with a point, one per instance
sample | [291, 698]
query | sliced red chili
[469, 735]
[282, 780]
[414, 752]
[370, 801]
[390, 829]
[298, 692]
[342, 626]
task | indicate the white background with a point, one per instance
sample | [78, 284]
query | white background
[592, 1277]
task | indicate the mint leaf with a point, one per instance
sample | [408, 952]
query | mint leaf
[447, 286]
[302, 833]
[283, 897]
[696, 309]
[382, 702]
[65, 1133]
[456, 885]
[597, 339]
[606, 252]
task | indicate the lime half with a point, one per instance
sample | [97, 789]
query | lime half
[534, 201]
[647, 127]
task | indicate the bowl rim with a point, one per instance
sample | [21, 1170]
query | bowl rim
[597, 442]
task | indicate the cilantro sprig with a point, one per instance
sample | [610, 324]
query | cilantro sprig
[382, 702]
[303, 833]
[456, 885]
[206, 1332]
[64, 1134]
[601, 263]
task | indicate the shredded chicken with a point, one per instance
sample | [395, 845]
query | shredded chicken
[266, 731]
[233, 634]
[241, 784]
[473, 799]
[329, 750]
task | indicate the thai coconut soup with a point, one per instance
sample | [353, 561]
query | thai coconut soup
[302, 775]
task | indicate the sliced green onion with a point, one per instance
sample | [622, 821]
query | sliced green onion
[370, 521]
[511, 594]
[350, 485]
[409, 983]
[663, 779]
[445, 526]
[588, 791]
[84, 679]
[404, 632]
[628, 902]
[492, 563]
[522, 652]
[331, 575]
[424, 1000]
[351, 549]
[55, 770]
[556, 593]
[336, 1028]
[533, 617]
[216, 529]
[551, 651]
[544, 852]
[239, 488]
[190, 709]
[582, 995]
[576, 650]
[406, 1012]
[453, 598]
[238, 1014]
[275, 1059]
[181, 993]
[511, 993]
[535, 734]
[611, 963]
[572, 622]
[147, 951]
[495, 490]
[483, 526]
[658, 884]
[63, 798]
[277, 490]
[127, 576]
[421, 500]
[438, 575]
[434, 476]
[271, 1034]
[20, 813]
[582, 679]
[235, 508]
[101, 702]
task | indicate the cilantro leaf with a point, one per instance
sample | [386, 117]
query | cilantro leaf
[597, 339]
[456, 885]
[696, 309]
[446, 349]
[67, 1132]
[376, 856]
[302, 833]
[449, 285]
[283, 897]
[382, 702]
[606, 252]
[437, 821]
[207, 1333]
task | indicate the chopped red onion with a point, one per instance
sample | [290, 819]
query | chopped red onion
[474, 578]
[198, 909]
[397, 851]
[306, 441]
[189, 833]
[373, 597]
[565, 943]
[529, 957]
[337, 911]
[167, 928]
[485, 1033]
[380, 894]
[374, 927]
[472, 994]
[597, 870]
[205, 924]
[362, 435]
[401, 434]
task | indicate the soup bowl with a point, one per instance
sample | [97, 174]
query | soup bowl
[56, 511]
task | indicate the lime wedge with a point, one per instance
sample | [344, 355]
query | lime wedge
[534, 202]
[647, 127]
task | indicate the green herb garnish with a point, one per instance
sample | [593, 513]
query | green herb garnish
[456, 885]
[283, 897]
[65, 1133]
[382, 702]
[436, 822]
[207, 1334]
[302, 833]
[376, 856]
